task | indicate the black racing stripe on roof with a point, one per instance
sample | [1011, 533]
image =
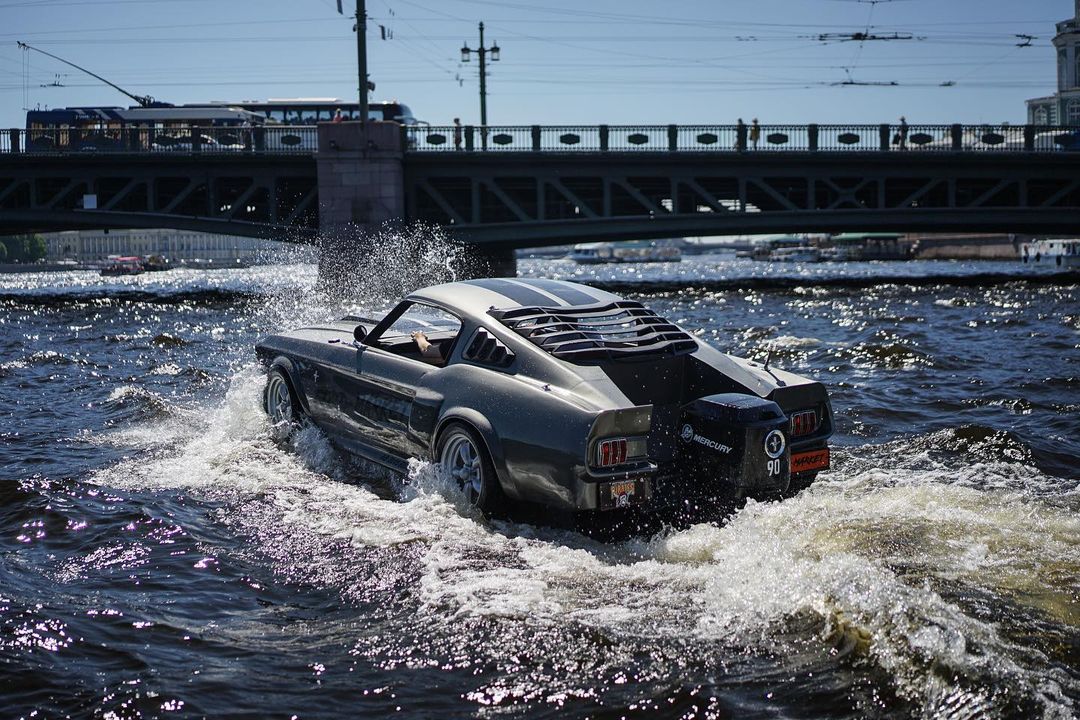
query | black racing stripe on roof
[520, 294]
[574, 296]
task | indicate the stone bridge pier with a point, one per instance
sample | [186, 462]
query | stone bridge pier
[361, 178]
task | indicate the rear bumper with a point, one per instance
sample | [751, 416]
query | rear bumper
[607, 491]
[584, 489]
[664, 485]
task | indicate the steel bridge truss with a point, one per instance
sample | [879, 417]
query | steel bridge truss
[274, 198]
[552, 199]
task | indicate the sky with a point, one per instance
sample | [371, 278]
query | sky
[561, 61]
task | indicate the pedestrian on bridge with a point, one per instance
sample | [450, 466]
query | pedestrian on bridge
[457, 133]
[903, 133]
[755, 133]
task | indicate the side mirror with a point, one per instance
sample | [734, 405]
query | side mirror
[359, 333]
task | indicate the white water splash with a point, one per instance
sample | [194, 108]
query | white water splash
[862, 551]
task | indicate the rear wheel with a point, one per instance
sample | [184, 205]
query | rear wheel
[464, 457]
[282, 405]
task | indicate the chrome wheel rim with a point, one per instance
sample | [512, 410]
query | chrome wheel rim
[279, 402]
[461, 460]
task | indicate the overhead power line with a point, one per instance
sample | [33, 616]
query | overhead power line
[864, 37]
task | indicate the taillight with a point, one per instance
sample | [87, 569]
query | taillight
[611, 452]
[804, 423]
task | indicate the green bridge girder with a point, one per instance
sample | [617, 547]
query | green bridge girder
[527, 200]
[506, 200]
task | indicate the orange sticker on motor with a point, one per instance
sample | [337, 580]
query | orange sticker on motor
[809, 461]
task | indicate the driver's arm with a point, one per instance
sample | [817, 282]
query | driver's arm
[428, 351]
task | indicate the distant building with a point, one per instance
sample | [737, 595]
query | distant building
[95, 246]
[1063, 107]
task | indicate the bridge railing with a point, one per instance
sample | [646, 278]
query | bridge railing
[283, 140]
[303, 140]
[742, 138]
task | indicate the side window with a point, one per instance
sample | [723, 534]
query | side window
[423, 333]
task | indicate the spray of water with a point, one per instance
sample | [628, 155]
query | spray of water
[373, 268]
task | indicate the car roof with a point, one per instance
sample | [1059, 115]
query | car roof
[476, 297]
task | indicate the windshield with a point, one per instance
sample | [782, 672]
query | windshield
[424, 318]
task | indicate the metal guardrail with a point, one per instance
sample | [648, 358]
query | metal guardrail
[742, 138]
[283, 140]
[303, 140]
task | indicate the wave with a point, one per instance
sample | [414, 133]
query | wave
[146, 403]
[792, 343]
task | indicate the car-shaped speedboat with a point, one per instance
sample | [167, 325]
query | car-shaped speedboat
[552, 393]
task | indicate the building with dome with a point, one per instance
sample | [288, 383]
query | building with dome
[1063, 107]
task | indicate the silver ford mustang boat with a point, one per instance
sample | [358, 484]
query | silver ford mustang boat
[551, 393]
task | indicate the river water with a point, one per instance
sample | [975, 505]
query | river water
[161, 556]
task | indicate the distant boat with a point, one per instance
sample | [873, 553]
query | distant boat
[155, 263]
[1057, 252]
[762, 248]
[835, 254]
[801, 253]
[870, 246]
[123, 266]
[633, 251]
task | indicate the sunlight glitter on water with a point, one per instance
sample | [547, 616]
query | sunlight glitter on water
[932, 572]
[863, 552]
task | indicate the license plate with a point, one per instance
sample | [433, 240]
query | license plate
[623, 493]
[810, 461]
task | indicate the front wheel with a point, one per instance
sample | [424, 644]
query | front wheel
[281, 405]
[463, 456]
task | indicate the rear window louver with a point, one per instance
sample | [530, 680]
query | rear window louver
[485, 349]
[622, 330]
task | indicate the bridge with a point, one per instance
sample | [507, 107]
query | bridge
[501, 188]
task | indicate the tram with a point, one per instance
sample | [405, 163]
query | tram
[217, 126]
[139, 129]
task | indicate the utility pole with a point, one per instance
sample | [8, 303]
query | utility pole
[361, 55]
[363, 83]
[483, 53]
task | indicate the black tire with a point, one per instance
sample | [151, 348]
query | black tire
[464, 456]
[281, 405]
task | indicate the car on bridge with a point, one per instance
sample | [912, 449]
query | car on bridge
[553, 393]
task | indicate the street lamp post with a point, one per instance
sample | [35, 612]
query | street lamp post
[482, 51]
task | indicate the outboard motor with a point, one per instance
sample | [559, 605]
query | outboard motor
[732, 446]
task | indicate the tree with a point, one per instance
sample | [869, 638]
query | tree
[36, 248]
[25, 248]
